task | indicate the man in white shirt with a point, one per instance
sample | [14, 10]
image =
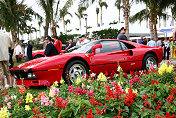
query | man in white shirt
[84, 40]
[18, 52]
[151, 43]
[4, 60]
[158, 43]
[79, 42]
[166, 48]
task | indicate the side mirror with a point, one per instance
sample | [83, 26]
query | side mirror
[95, 47]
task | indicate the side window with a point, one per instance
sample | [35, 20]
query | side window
[109, 46]
[123, 46]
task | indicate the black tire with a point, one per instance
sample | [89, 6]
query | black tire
[148, 61]
[70, 76]
[38, 56]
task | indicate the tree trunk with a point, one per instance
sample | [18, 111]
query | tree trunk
[46, 28]
[80, 23]
[151, 26]
[64, 24]
[14, 36]
[54, 28]
[155, 30]
[119, 15]
[126, 9]
[101, 17]
[97, 20]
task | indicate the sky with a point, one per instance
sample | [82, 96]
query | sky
[109, 15]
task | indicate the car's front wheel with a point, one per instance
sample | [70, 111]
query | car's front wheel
[74, 70]
[149, 61]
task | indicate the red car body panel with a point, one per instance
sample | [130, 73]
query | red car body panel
[50, 69]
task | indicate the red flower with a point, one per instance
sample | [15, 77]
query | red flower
[154, 95]
[129, 97]
[89, 114]
[168, 115]
[170, 99]
[20, 102]
[99, 112]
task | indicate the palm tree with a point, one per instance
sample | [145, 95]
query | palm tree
[156, 9]
[44, 4]
[80, 14]
[14, 15]
[118, 5]
[97, 12]
[126, 11]
[66, 23]
[102, 4]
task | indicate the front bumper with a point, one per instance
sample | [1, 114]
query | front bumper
[36, 78]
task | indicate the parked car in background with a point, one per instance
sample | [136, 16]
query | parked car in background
[40, 53]
[96, 56]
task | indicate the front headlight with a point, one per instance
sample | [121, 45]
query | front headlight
[31, 75]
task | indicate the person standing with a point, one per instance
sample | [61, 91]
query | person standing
[121, 35]
[50, 49]
[18, 52]
[145, 41]
[166, 48]
[159, 43]
[11, 50]
[151, 43]
[69, 45]
[4, 60]
[79, 41]
[28, 50]
[57, 43]
[84, 40]
[141, 40]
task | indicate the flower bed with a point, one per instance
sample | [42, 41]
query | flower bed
[136, 95]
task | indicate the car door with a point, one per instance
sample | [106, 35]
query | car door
[107, 58]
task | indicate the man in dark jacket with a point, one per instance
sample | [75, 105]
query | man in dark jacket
[28, 51]
[50, 49]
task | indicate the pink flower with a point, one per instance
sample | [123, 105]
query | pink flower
[7, 99]
[71, 89]
[9, 105]
[113, 83]
[54, 91]
[90, 93]
[92, 75]
[88, 87]
[50, 103]
[44, 100]
[83, 85]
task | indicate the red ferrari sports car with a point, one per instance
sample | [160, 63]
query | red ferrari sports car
[97, 56]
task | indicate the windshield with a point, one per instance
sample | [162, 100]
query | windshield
[85, 48]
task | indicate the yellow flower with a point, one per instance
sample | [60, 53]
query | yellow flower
[78, 80]
[126, 90]
[119, 69]
[62, 81]
[165, 69]
[4, 113]
[101, 77]
[135, 91]
[120, 83]
[29, 98]
[27, 107]
[55, 84]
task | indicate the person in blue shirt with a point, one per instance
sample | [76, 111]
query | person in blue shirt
[69, 45]
[140, 41]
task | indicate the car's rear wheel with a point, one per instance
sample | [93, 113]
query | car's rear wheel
[38, 56]
[149, 62]
[74, 70]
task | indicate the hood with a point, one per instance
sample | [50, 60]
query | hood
[30, 64]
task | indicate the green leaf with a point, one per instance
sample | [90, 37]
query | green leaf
[134, 115]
